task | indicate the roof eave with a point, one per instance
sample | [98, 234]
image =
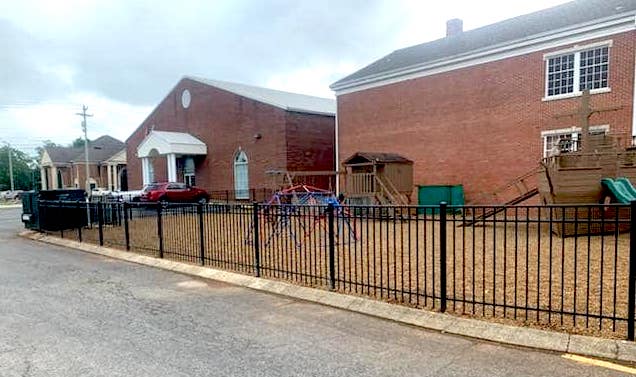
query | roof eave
[313, 112]
[616, 20]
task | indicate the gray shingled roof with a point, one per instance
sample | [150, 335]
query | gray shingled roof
[562, 16]
[285, 100]
[62, 155]
[100, 149]
[361, 157]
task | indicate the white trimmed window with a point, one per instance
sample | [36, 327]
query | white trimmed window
[241, 181]
[575, 70]
[567, 138]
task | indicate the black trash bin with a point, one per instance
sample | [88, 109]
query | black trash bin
[61, 209]
[30, 216]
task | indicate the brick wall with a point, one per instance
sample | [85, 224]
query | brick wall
[226, 123]
[479, 126]
[310, 145]
[79, 170]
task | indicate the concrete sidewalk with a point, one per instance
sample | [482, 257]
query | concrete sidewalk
[619, 350]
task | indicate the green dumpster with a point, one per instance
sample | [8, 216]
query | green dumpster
[432, 195]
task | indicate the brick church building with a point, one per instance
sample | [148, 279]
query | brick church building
[482, 107]
[227, 136]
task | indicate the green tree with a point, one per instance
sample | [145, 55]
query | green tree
[79, 142]
[25, 172]
[45, 144]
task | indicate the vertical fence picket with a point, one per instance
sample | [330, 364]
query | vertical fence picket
[332, 247]
[256, 240]
[631, 291]
[442, 256]
[160, 228]
[100, 222]
[201, 234]
[126, 226]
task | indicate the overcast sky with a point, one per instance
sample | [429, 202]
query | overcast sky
[120, 58]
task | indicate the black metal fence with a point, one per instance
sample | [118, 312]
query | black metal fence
[252, 195]
[559, 267]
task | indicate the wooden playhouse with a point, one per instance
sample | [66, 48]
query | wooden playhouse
[378, 178]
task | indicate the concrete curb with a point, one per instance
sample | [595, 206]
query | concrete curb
[10, 206]
[618, 350]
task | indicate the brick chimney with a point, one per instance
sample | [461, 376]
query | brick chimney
[454, 27]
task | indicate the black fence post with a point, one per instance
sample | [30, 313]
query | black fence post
[160, 229]
[442, 255]
[126, 227]
[631, 300]
[201, 234]
[227, 196]
[59, 209]
[332, 247]
[78, 212]
[257, 241]
[100, 222]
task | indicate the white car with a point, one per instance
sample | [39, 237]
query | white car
[127, 196]
[12, 195]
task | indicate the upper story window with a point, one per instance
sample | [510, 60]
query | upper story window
[561, 75]
[573, 71]
[594, 68]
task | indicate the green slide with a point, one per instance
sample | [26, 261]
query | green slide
[627, 184]
[621, 190]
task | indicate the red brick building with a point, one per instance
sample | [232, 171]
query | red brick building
[65, 167]
[226, 136]
[479, 107]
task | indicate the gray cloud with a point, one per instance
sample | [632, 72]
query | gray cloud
[135, 51]
[21, 78]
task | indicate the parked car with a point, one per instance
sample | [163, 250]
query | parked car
[173, 192]
[13, 195]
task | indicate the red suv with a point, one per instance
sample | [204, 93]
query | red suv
[173, 192]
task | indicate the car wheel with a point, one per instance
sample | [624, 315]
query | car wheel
[202, 200]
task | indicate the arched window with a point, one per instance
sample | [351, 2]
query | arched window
[241, 181]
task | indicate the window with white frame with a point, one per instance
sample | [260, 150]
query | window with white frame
[576, 71]
[567, 139]
[594, 68]
[241, 181]
[561, 75]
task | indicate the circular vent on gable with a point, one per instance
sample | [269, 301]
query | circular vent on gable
[185, 98]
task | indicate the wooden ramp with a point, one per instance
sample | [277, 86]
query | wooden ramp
[520, 199]
[514, 192]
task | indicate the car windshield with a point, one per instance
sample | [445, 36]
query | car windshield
[151, 187]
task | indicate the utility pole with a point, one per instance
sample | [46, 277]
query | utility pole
[86, 159]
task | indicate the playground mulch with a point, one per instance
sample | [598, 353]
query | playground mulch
[506, 272]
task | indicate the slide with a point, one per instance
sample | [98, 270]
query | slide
[619, 189]
[627, 184]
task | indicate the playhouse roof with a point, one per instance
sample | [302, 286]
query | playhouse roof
[365, 157]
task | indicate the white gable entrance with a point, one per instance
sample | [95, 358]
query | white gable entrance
[171, 145]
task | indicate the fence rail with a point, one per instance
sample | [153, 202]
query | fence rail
[567, 268]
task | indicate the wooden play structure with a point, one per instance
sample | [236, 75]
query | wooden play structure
[378, 178]
[573, 174]
[597, 168]
[590, 169]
